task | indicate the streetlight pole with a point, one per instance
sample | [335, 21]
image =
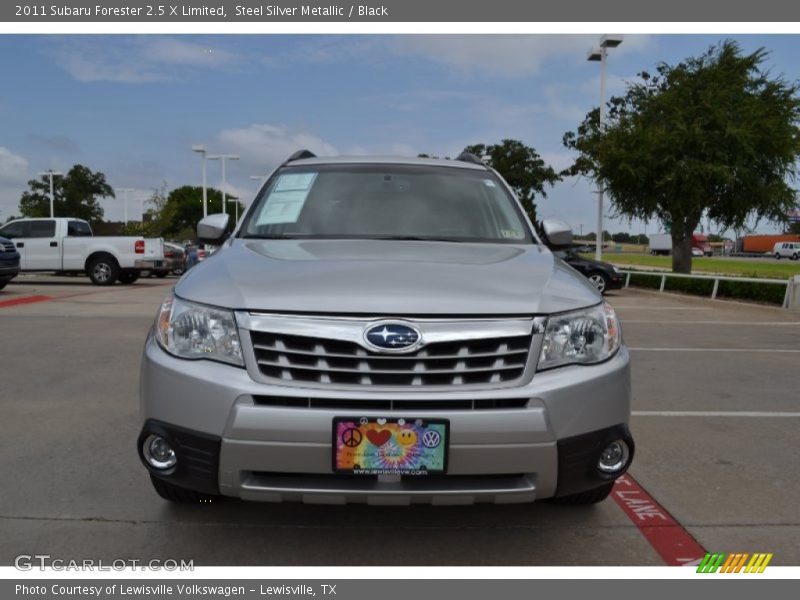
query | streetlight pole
[202, 150]
[223, 158]
[601, 54]
[50, 173]
[125, 193]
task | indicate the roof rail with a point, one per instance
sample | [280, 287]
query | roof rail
[300, 154]
[471, 158]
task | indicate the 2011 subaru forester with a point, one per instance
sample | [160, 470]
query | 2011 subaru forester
[389, 331]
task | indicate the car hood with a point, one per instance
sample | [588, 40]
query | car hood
[379, 277]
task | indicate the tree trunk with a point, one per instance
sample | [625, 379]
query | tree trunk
[681, 249]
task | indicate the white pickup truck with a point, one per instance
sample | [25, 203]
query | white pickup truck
[68, 245]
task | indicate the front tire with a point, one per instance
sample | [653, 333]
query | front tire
[173, 493]
[600, 281]
[583, 498]
[795, 256]
[103, 270]
[777, 256]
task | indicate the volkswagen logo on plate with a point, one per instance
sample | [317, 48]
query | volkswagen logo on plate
[391, 336]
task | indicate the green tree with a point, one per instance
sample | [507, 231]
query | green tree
[75, 194]
[523, 169]
[714, 135]
[184, 208]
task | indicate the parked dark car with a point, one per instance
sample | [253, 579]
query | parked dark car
[602, 275]
[9, 261]
[174, 260]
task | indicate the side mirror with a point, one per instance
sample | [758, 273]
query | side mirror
[213, 229]
[557, 233]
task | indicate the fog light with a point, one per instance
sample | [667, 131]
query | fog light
[158, 453]
[614, 458]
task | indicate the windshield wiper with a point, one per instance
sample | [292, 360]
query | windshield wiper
[413, 238]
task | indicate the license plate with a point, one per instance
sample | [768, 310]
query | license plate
[390, 446]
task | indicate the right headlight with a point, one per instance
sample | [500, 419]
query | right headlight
[586, 336]
[197, 331]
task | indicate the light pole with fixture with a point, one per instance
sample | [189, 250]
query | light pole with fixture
[50, 173]
[202, 150]
[125, 202]
[223, 158]
[601, 54]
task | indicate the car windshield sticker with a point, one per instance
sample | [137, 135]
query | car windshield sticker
[489, 183]
[286, 199]
[511, 234]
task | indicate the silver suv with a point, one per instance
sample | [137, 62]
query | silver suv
[388, 331]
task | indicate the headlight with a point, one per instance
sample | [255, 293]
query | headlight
[190, 330]
[585, 336]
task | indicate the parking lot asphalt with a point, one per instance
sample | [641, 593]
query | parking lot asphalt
[716, 416]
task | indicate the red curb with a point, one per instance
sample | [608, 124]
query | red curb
[24, 300]
[668, 538]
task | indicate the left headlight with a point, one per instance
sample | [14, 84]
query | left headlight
[586, 336]
[189, 330]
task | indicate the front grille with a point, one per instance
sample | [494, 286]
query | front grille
[326, 361]
[7, 246]
[389, 405]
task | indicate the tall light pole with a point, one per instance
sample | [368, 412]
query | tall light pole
[125, 192]
[202, 150]
[223, 158]
[601, 54]
[50, 173]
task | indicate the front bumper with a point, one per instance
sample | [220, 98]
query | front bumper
[277, 453]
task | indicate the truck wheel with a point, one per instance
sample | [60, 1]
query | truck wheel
[173, 493]
[3, 284]
[777, 256]
[590, 497]
[599, 280]
[128, 277]
[103, 270]
[795, 256]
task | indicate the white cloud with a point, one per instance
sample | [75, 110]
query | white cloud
[502, 55]
[13, 167]
[137, 59]
[262, 146]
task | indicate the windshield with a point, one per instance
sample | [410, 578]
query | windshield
[405, 202]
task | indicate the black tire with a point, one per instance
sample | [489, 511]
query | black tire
[173, 493]
[795, 256]
[3, 284]
[128, 277]
[162, 274]
[599, 280]
[777, 256]
[589, 497]
[103, 269]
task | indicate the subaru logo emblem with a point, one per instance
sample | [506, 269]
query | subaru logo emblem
[391, 336]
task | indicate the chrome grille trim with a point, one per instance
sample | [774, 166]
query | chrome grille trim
[330, 352]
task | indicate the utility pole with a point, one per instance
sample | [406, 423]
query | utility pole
[50, 173]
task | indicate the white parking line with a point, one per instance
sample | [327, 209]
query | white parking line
[766, 323]
[710, 413]
[751, 350]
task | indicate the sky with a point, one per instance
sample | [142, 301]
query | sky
[132, 106]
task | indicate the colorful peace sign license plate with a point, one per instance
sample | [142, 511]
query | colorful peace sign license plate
[390, 446]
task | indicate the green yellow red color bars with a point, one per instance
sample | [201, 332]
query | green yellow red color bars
[734, 563]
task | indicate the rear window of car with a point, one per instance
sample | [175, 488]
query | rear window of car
[78, 229]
